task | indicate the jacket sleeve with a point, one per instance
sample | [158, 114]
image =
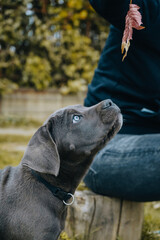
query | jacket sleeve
[115, 11]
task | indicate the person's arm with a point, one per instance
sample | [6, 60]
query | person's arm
[115, 11]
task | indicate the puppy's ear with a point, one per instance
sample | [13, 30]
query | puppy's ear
[41, 154]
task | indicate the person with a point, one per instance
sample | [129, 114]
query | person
[129, 166]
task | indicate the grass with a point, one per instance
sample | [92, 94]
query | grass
[19, 139]
[9, 155]
[151, 222]
[64, 236]
[12, 158]
[13, 121]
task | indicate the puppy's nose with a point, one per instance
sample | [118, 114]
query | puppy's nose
[107, 103]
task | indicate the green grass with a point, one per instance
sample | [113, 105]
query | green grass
[8, 158]
[151, 222]
[13, 121]
[8, 153]
[18, 139]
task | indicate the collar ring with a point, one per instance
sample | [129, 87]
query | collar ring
[70, 203]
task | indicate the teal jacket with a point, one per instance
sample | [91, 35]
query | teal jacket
[134, 85]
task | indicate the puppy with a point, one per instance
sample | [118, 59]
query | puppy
[35, 194]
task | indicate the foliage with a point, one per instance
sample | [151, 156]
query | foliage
[151, 222]
[7, 86]
[147, 231]
[64, 236]
[82, 186]
[37, 72]
[133, 20]
[45, 44]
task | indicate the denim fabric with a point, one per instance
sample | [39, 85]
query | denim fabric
[127, 168]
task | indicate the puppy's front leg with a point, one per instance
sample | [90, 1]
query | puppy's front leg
[52, 235]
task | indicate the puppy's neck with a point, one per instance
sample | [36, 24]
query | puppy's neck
[70, 174]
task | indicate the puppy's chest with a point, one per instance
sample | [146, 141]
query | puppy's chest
[30, 222]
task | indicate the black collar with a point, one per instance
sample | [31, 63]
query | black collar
[57, 192]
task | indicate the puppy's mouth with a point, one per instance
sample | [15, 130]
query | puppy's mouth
[116, 126]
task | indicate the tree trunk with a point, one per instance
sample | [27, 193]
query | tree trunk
[95, 217]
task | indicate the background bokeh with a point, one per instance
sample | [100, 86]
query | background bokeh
[46, 44]
[43, 45]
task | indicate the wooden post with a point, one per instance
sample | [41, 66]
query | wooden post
[94, 217]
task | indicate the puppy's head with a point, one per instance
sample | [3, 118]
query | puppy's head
[72, 133]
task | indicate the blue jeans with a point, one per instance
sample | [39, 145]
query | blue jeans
[127, 168]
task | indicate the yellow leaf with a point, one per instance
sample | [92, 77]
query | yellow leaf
[71, 3]
[83, 14]
[63, 14]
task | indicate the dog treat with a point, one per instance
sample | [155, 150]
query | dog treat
[133, 20]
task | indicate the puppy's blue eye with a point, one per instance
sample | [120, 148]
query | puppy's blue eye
[76, 118]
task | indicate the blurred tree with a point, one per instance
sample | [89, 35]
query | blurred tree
[13, 43]
[45, 44]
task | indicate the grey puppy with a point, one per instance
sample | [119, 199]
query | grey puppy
[33, 195]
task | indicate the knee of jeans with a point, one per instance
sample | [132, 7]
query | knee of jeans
[90, 179]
